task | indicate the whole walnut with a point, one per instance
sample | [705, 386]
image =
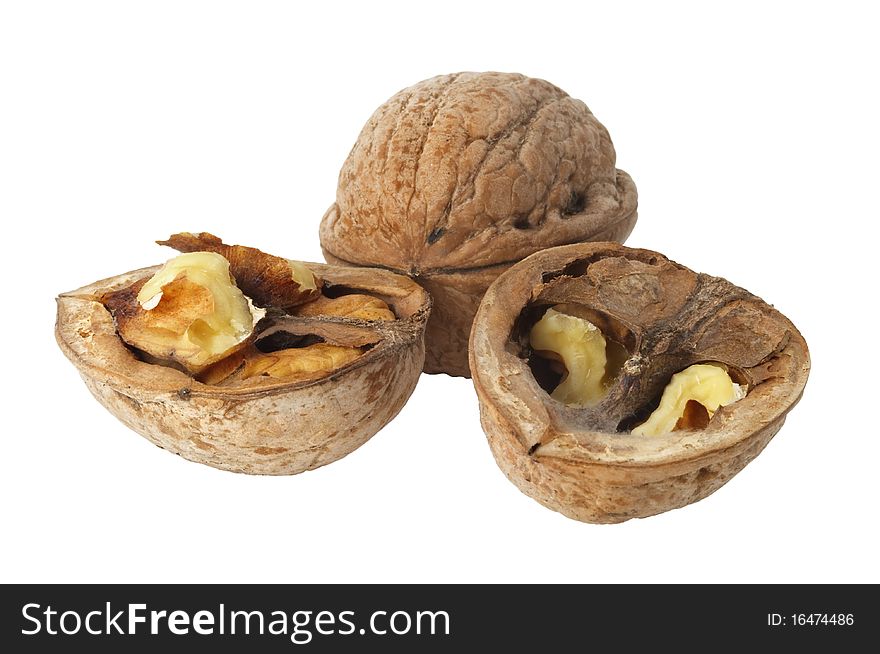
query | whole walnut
[458, 177]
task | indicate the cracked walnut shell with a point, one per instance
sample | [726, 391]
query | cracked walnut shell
[279, 410]
[454, 179]
[585, 461]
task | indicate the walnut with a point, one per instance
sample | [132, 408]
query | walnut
[303, 390]
[708, 375]
[457, 177]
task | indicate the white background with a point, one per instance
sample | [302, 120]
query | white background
[752, 134]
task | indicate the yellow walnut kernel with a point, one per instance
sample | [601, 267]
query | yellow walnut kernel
[362, 307]
[190, 312]
[690, 399]
[581, 347]
[267, 280]
[317, 359]
[303, 276]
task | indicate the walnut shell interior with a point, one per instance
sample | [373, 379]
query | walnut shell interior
[258, 424]
[584, 462]
[457, 177]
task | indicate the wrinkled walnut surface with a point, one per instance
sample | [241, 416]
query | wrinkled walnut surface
[460, 176]
[582, 461]
[474, 169]
[260, 425]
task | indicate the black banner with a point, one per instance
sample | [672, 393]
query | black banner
[109, 618]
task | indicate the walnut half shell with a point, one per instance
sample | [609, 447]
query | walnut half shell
[457, 177]
[258, 424]
[583, 461]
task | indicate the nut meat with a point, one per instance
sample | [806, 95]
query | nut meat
[454, 179]
[268, 280]
[584, 460]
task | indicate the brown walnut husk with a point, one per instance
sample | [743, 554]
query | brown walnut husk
[583, 462]
[457, 177]
[247, 421]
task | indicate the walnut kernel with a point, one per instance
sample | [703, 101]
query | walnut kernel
[580, 346]
[190, 312]
[705, 384]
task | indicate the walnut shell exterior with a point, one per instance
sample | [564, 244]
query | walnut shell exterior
[277, 428]
[457, 177]
[583, 462]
